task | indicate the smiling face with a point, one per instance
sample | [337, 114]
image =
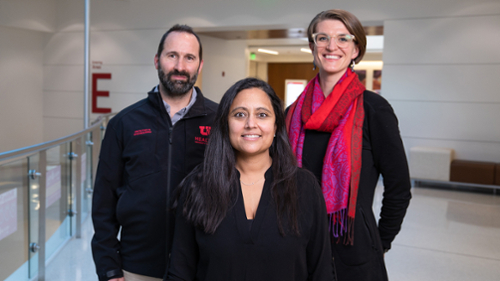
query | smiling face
[332, 60]
[251, 123]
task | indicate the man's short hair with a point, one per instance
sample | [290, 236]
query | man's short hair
[179, 28]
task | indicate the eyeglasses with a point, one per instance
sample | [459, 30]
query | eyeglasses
[342, 40]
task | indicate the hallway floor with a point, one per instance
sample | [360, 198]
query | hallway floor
[446, 235]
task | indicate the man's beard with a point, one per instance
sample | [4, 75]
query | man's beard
[176, 88]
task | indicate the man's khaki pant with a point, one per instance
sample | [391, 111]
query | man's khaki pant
[136, 277]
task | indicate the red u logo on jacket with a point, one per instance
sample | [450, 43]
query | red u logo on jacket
[205, 130]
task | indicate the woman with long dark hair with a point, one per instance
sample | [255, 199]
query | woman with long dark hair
[248, 212]
[348, 137]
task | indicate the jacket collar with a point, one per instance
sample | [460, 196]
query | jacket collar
[198, 108]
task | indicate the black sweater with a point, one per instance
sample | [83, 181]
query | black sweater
[235, 252]
[383, 154]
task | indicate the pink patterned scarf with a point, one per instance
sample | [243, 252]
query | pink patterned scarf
[342, 114]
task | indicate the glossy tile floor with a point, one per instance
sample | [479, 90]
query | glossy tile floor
[447, 235]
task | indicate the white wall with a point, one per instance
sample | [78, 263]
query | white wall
[21, 101]
[126, 54]
[37, 15]
[63, 85]
[23, 27]
[443, 83]
[228, 56]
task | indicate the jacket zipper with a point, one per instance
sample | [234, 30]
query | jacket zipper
[169, 179]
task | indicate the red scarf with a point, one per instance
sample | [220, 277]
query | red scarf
[342, 114]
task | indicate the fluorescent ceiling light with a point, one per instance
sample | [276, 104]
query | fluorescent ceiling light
[370, 64]
[267, 51]
[305, 50]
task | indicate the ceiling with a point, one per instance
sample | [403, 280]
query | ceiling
[275, 33]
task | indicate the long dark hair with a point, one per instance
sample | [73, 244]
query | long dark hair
[211, 188]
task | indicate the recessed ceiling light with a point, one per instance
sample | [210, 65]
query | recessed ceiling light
[267, 51]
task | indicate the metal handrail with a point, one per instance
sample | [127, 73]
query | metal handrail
[43, 146]
[91, 137]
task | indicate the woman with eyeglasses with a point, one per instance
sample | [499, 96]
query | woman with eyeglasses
[348, 137]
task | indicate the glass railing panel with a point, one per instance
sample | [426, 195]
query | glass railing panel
[73, 203]
[96, 148]
[86, 175]
[34, 198]
[57, 222]
[39, 211]
[14, 234]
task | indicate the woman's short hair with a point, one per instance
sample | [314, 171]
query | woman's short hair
[350, 21]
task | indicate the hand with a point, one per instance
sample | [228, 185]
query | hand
[117, 279]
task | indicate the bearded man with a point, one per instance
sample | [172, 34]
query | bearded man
[149, 147]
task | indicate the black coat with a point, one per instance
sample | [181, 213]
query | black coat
[383, 154]
[132, 179]
[239, 252]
